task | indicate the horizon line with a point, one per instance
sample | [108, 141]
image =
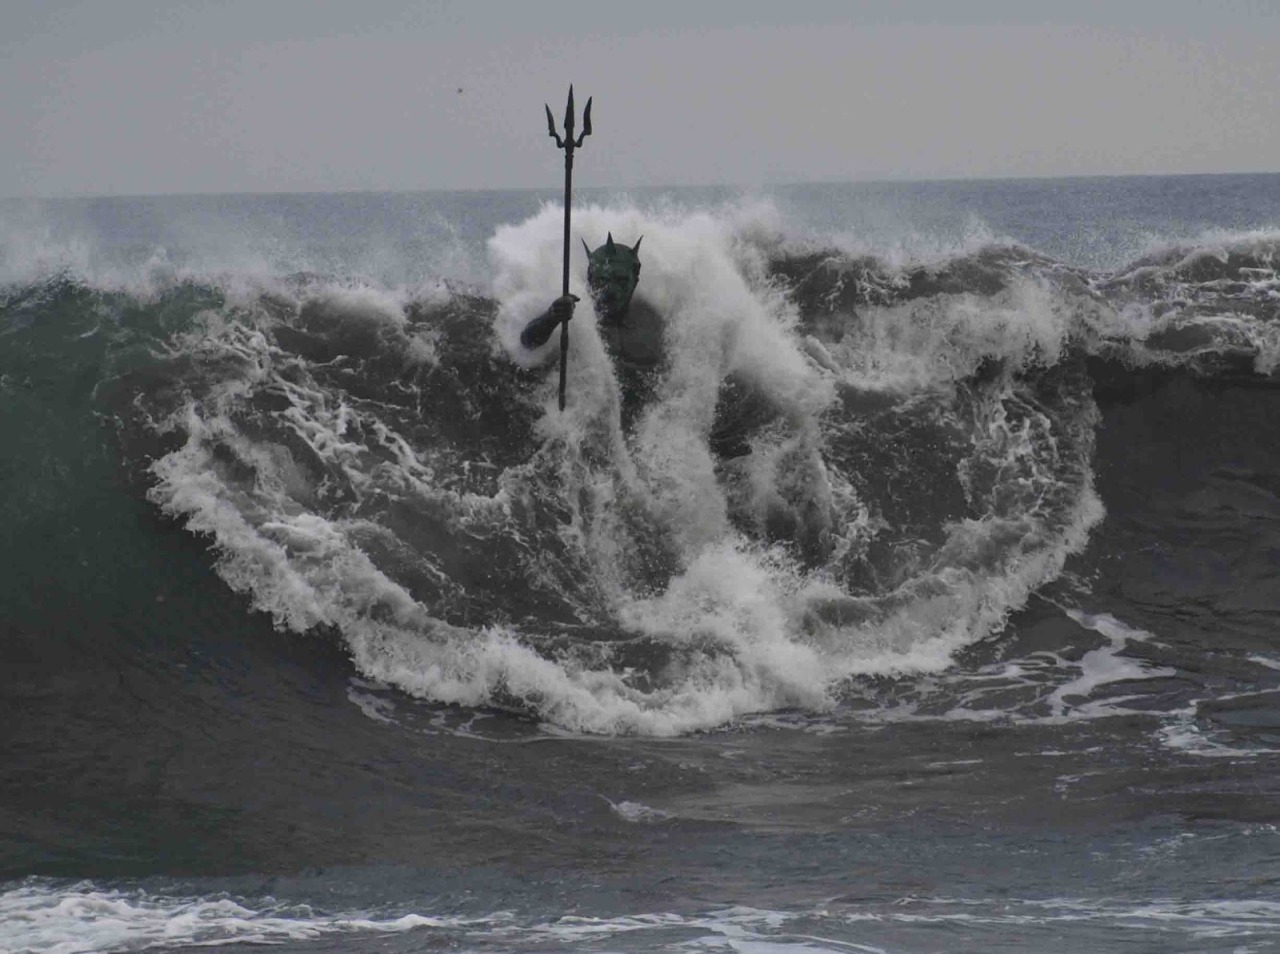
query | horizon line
[554, 188]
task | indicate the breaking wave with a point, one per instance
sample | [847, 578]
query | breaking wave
[854, 464]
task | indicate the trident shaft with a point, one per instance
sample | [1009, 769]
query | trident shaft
[568, 144]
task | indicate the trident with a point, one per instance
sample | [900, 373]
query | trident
[568, 145]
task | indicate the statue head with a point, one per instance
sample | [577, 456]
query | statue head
[612, 273]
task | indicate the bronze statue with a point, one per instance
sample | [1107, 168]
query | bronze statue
[630, 327]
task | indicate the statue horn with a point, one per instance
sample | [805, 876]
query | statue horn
[636, 248]
[585, 249]
[609, 245]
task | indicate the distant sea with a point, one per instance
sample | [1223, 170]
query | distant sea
[931, 603]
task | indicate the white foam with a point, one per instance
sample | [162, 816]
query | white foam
[938, 340]
[637, 812]
[41, 918]
[695, 275]
[1213, 241]
[1222, 318]
[377, 708]
[899, 248]
[237, 246]
[1182, 732]
[1047, 688]
[38, 918]
[1104, 665]
[856, 928]
[739, 615]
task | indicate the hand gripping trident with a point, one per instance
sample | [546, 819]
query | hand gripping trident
[568, 145]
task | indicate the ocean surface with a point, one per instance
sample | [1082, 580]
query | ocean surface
[931, 604]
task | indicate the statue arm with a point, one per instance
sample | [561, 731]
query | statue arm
[537, 332]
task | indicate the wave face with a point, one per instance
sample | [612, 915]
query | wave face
[856, 463]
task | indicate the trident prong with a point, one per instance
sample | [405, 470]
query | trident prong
[586, 123]
[568, 142]
[551, 128]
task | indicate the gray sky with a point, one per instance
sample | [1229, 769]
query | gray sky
[158, 96]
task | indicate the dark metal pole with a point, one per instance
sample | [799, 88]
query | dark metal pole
[568, 195]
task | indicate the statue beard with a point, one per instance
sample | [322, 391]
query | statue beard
[611, 305]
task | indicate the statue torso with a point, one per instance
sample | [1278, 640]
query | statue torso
[635, 340]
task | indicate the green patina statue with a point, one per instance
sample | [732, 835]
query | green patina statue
[631, 329]
[633, 334]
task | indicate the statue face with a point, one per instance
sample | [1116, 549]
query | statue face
[612, 273]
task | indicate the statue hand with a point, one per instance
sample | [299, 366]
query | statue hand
[562, 308]
[537, 332]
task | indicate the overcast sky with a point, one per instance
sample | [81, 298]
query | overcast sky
[158, 96]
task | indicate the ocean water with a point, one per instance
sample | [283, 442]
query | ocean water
[932, 603]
